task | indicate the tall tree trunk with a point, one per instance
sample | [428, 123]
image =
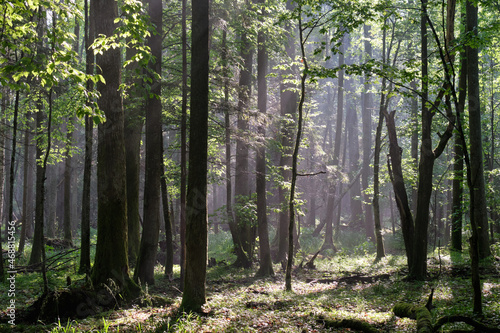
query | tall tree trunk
[89, 126]
[134, 121]
[295, 156]
[288, 109]
[182, 213]
[27, 185]
[111, 259]
[328, 242]
[154, 155]
[476, 146]
[10, 216]
[266, 265]
[68, 236]
[169, 233]
[458, 163]
[366, 119]
[227, 120]
[196, 200]
[3, 108]
[37, 246]
[241, 230]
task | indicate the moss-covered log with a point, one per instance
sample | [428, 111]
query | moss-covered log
[420, 313]
[424, 319]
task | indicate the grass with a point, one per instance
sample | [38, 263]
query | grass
[237, 302]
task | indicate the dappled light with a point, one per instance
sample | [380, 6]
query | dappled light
[249, 166]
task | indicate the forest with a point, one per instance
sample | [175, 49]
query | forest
[249, 166]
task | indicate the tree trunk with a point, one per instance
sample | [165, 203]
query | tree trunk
[288, 108]
[476, 145]
[154, 155]
[328, 243]
[169, 234]
[27, 185]
[376, 177]
[111, 259]
[241, 230]
[3, 109]
[89, 127]
[366, 119]
[401, 197]
[10, 216]
[196, 200]
[68, 236]
[458, 164]
[227, 120]
[37, 246]
[295, 156]
[266, 265]
[182, 199]
[134, 116]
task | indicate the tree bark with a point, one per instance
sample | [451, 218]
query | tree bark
[3, 108]
[196, 200]
[27, 185]
[458, 164]
[366, 119]
[182, 199]
[295, 156]
[476, 144]
[288, 109]
[266, 265]
[68, 235]
[169, 234]
[10, 215]
[89, 129]
[134, 120]
[154, 154]
[111, 258]
[241, 231]
[328, 242]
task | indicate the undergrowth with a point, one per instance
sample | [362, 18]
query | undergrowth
[346, 284]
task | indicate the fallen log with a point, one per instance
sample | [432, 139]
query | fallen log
[424, 319]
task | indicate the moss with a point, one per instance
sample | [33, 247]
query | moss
[420, 313]
[354, 324]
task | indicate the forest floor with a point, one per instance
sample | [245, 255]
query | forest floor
[343, 286]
